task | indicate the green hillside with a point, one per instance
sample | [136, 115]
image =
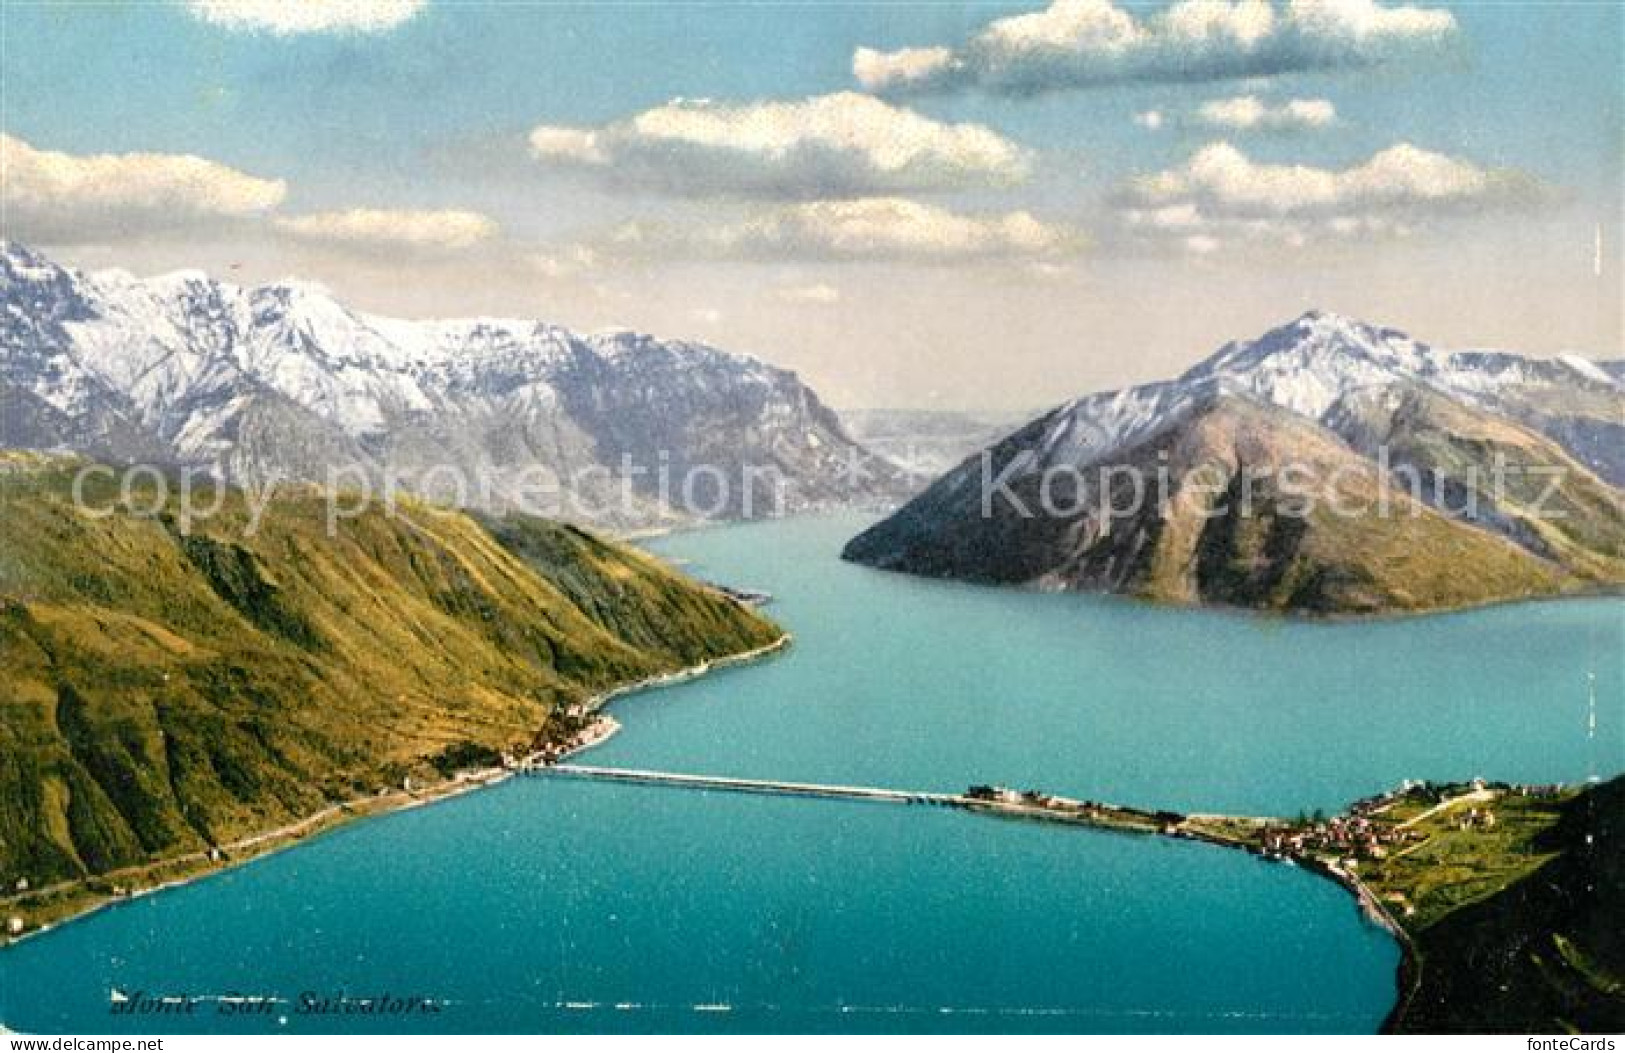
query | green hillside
[163, 691]
[1539, 496]
[1515, 903]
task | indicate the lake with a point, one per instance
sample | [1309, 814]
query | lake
[560, 905]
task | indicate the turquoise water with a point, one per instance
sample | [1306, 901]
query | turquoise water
[554, 905]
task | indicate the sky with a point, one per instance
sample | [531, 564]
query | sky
[988, 206]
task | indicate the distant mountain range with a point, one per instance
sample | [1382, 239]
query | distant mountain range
[928, 442]
[284, 381]
[1355, 411]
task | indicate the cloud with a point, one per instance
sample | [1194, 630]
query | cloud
[1247, 113]
[391, 230]
[908, 67]
[845, 145]
[1220, 193]
[817, 293]
[1219, 179]
[882, 228]
[1081, 43]
[289, 17]
[67, 198]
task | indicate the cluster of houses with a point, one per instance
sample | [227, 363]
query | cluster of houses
[1547, 791]
[1352, 836]
[1069, 807]
[1032, 799]
[1476, 819]
[1383, 801]
[1363, 835]
[589, 731]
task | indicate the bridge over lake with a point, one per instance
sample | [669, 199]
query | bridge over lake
[773, 787]
[1228, 831]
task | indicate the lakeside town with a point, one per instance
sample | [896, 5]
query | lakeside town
[1408, 855]
[1372, 828]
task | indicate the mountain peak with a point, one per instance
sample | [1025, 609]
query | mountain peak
[289, 290]
[1324, 324]
[1319, 340]
[20, 260]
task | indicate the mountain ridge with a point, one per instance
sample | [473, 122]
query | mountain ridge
[284, 381]
[1355, 408]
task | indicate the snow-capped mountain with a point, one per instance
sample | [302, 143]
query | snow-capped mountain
[284, 381]
[1312, 365]
[1336, 401]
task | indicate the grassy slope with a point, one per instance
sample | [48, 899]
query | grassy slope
[161, 692]
[1262, 554]
[1540, 496]
[1519, 928]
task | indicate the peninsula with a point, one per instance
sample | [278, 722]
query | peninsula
[1507, 901]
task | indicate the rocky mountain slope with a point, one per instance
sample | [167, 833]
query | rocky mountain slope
[285, 382]
[164, 691]
[1435, 479]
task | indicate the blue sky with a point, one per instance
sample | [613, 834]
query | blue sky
[432, 115]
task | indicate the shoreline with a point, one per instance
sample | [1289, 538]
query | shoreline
[1408, 973]
[198, 866]
[1596, 591]
[1132, 821]
[699, 669]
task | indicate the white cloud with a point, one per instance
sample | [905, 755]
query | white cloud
[578, 145]
[1077, 43]
[706, 315]
[1151, 119]
[1220, 179]
[60, 198]
[902, 68]
[1246, 113]
[817, 293]
[288, 17]
[886, 228]
[1220, 193]
[842, 145]
[391, 229]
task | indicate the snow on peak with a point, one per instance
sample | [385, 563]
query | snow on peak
[161, 340]
[1585, 367]
[1307, 366]
[174, 279]
[1312, 361]
[19, 263]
